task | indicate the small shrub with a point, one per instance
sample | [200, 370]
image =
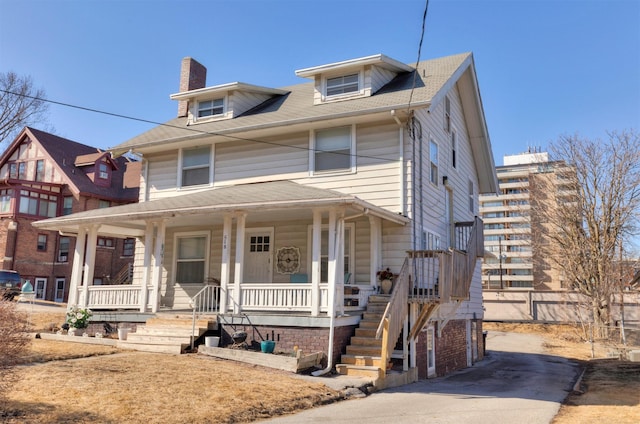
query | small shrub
[14, 343]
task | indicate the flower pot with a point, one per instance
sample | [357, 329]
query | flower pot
[75, 331]
[386, 286]
[211, 341]
[123, 332]
[267, 346]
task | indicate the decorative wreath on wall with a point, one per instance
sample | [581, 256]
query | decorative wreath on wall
[288, 260]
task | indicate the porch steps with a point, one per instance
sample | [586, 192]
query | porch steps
[166, 334]
[364, 354]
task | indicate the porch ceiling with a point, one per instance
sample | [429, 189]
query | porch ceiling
[263, 202]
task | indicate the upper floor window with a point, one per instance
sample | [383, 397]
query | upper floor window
[343, 85]
[103, 171]
[128, 246]
[38, 204]
[63, 249]
[447, 114]
[472, 202]
[210, 108]
[13, 170]
[67, 205]
[22, 171]
[42, 243]
[196, 164]
[433, 157]
[454, 148]
[39, 170]
[5, 200]
[333, 149]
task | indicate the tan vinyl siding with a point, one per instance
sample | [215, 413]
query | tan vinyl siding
[276, 158]
[380, 77]
[162, 172]
[241, 101]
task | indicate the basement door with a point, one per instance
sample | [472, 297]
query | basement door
[258, 256]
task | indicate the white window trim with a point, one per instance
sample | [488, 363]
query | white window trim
[196, 110]
[207, 249]
[179, 185]
[312, 151]
[351, 249]
[359, 93]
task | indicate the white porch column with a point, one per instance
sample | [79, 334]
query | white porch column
[146, 268]
[315, 262]
[375, 248]
[331, 265]
[225, 262]
[158, 258]
[89, 262]
[340, 261]
[237, 274]
[76, 269]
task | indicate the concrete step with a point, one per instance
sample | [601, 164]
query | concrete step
[366, 341]
[153, 339]
[180, 321]
[169, 331]
[361, 360]
[176, 349]
[360, 371]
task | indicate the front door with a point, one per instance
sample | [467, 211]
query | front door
[258, 256]
[41, 288]
[59, 297]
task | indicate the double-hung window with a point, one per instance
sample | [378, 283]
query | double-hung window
[343, 85]
[196, 165]
[433, 157]
[63, 249]
[191, 252]
[332, 149]
[210, 108]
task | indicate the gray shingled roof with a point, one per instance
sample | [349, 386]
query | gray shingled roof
[272, 195]
[297, 105]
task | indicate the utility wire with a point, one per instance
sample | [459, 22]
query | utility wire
[415, 73]
[164, 124]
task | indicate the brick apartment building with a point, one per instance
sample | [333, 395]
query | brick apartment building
[44, 176]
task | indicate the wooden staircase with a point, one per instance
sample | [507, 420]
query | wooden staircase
[364, 353]
[167, 334]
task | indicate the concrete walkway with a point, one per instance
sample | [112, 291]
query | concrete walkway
[515, 383]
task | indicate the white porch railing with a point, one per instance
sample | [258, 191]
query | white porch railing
[112, 297]
[277, 297]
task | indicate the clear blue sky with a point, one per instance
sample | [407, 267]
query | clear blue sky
[545, 68]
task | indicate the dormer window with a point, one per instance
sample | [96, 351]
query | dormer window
[211, 108]
[343, 85]
[103, 171]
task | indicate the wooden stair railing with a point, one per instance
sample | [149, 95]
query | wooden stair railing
[392, 320]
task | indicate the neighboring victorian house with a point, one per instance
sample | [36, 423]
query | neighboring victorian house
[45, 176]
[290, 201]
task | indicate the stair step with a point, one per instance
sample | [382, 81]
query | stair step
[169, 331]
[364, 350]
[376, 308]
[180, 322]
[176, 349]
[369, 323]
[361, 360]
[366, 332]
[360, 371]
[366, 341]
[152, 339]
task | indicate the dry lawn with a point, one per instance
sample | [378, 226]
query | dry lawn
[133, 387]
[610, 389]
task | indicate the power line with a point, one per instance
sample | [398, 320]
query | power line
[415, 74]
[164, 124]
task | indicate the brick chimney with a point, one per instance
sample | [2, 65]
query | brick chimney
[193, 75]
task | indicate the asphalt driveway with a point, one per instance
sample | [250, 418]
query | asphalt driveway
[515, 383]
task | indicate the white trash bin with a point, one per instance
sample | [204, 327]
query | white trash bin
[211, 341]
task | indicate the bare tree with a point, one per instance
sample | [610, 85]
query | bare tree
[20, 105]
[596, 207]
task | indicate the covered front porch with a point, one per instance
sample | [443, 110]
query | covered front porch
[264, 247]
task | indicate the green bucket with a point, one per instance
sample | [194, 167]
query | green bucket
[267, 346]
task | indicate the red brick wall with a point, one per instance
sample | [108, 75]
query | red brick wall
[308, 340]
